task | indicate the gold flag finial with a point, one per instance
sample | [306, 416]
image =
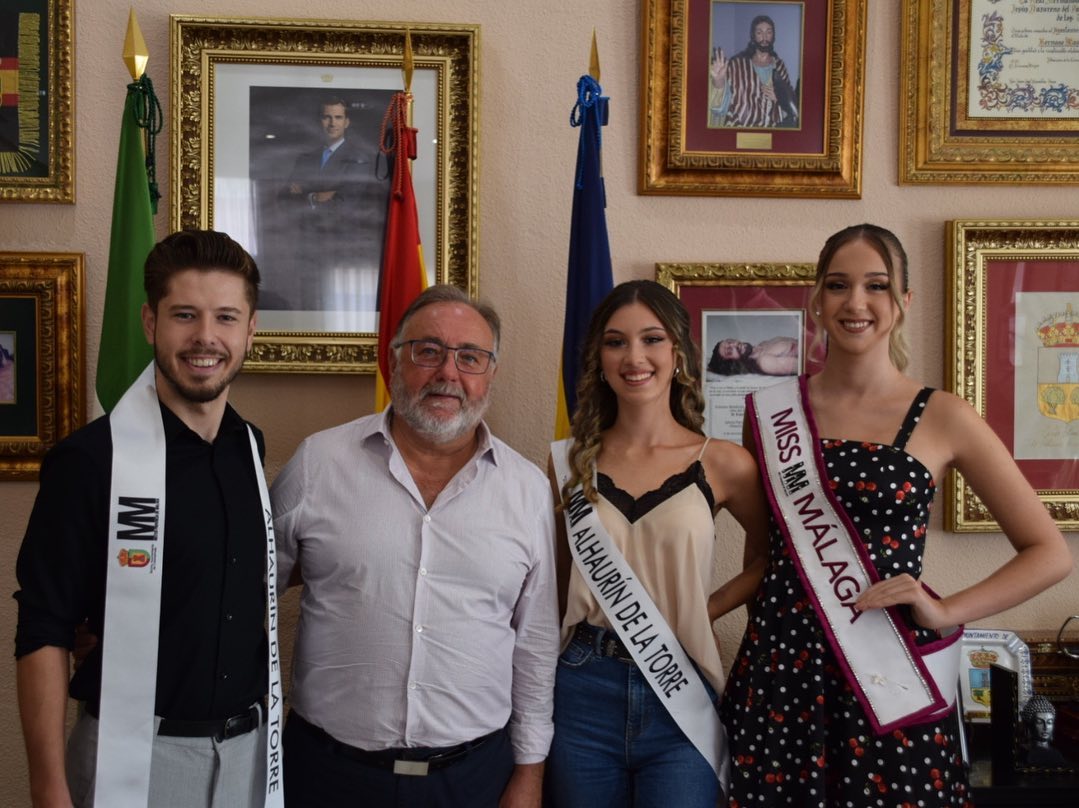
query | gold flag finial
[593, 61]
[135, 53]
[406, 65]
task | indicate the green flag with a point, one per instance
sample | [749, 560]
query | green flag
[124, 351]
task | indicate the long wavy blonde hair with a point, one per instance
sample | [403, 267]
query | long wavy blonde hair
[597, 405]
[886, 244]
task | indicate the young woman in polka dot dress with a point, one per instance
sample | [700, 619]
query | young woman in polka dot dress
[798, 734]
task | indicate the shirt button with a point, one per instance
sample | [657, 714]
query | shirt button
[224, 676]
[419, 629]
[232, 560]
[411, 685]
[228, 618]
[427, 518]
[423, 570]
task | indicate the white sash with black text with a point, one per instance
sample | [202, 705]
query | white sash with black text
[897, 682]
[136, 559]
[640, 625]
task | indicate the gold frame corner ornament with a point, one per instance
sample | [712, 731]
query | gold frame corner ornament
[198, 43]
[971, 244]
[54, 283]
[667, 167]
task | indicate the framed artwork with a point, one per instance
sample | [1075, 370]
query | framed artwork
[753, 326]
[37, 133]
[979, 650]
[990, 92]
[254, 105]
[1013, 344]
[744, 98]
[41, 357]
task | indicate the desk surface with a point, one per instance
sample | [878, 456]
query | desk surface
[1028, 790]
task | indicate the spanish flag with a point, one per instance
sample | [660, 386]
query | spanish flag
[589, 278]
[403, 275]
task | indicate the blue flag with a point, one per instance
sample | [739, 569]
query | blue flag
[589, 278]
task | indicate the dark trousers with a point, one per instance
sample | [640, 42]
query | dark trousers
[319, 775]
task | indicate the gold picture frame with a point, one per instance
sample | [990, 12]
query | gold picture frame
[747, 302]
[987, 111]
[687, 147]
[1013, 289]
[221, 130]
[41, 357]
[37, 128]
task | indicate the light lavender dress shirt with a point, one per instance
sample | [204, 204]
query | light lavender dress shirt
[419, 627]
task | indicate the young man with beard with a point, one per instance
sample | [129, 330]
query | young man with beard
[425, 651]
[174, 691]
[753, 87]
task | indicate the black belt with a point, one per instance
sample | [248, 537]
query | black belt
[603, 641]
[415, 760]
[220, 729]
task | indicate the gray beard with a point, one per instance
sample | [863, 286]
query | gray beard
[435, 429]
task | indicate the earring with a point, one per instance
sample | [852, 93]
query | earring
[602, 376]
[677, 370]
[817, 312]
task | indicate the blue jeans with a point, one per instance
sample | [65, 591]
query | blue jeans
[615, 745]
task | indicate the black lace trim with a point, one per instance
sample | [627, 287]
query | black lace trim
[634, 509]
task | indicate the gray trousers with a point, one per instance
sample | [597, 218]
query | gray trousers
[184, 772]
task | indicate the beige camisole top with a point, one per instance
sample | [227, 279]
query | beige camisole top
[668, 538]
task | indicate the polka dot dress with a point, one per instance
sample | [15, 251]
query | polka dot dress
[798, 735]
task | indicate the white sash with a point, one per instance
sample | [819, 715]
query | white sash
[897, 683]
[640, 625]
[136, 559]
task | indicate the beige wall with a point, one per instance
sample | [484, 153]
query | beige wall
[531, 55]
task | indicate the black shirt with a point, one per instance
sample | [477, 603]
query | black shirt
[212, 642]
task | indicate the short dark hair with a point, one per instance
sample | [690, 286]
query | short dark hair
[204, 250]
[447, 293]
[333, 101]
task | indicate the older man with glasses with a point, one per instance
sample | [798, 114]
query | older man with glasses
[425, 653]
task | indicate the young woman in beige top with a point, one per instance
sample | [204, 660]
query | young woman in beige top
[657, 487]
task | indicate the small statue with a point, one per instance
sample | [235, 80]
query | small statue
[1039, 719]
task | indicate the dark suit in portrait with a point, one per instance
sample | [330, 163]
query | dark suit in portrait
[333, 205]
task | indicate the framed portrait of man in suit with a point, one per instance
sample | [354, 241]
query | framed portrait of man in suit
[279, 127]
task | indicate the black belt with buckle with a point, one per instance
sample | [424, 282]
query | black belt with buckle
[603, 641]
[417, 760]
[220, 729]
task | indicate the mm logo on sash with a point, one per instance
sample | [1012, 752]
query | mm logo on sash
[137, 518]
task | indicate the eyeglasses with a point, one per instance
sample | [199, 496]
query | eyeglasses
[427, 353]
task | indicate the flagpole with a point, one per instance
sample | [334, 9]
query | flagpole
[407, 68]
